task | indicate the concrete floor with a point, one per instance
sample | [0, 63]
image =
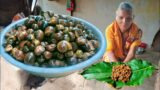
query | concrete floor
[13, 78]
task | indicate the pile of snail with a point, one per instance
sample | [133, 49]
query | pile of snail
[55, 42]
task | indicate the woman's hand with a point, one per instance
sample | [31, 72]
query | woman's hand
[109, 57]
[104, 56]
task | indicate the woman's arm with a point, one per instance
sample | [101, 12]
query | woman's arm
[131, 54]
[133, 48]
[109, 55]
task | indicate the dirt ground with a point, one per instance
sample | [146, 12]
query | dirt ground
[12, 78]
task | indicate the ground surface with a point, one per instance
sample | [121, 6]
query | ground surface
[13, 78]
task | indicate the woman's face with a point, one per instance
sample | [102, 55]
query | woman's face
[124, 19]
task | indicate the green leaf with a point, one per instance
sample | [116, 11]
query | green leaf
[98, 76]
[141, 69]
[107, 80]
[120, 84]
[100, 71]
[116, 63]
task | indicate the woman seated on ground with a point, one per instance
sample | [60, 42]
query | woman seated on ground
[123, 36]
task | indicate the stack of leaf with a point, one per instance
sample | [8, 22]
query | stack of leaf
[140, 69]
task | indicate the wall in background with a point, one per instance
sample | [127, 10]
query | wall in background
[57, 6]
[102, 12]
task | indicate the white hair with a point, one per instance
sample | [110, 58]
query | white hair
[125, 6]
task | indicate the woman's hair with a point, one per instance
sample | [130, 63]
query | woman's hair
[125, 6]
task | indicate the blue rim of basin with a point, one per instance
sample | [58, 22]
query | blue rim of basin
[51, 70]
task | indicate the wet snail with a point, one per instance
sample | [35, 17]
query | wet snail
[53, 42]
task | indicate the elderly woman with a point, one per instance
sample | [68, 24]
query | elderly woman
[123, 36]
